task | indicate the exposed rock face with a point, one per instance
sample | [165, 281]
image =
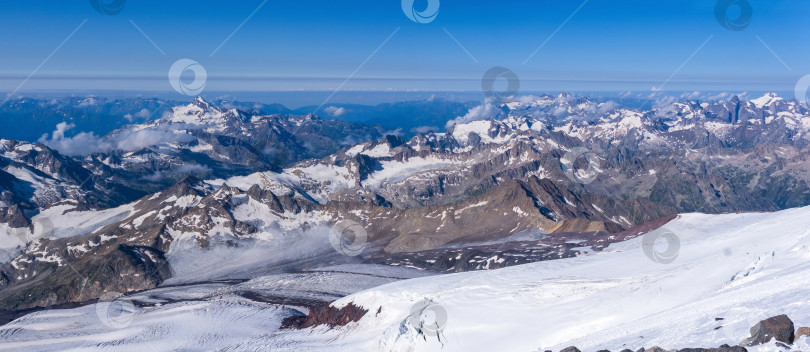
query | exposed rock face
[507, 209]
[124, 256]
[723, 348]
[803, 331]
[779, 327]
[33, 176]
[325, 315]
[655, 349]
[466, 256]
[570, 349]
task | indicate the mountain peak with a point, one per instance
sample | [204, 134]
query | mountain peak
[199, 101]
[766, 100]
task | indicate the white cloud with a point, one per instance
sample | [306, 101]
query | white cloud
[83, 143]
[133, 140]
[143, 114]
[86, 143]
[718, 96]
[192, 168]
[424, 129]
[335, 111]
[485, 111]
[665, 106]
[157, 176]
[91, 101]
[395, 132]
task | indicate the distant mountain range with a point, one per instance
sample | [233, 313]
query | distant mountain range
[210, 193]
[98, 115]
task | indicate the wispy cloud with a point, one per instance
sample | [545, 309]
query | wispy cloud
[485, 111]
[86, 143]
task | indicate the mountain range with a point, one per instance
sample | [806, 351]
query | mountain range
[207, 193]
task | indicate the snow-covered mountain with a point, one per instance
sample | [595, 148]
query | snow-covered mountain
[536, 179]
[727, 273]
[99, 172]
[209, 141]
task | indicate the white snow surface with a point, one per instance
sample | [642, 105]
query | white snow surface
[740, 267]
[185, 326]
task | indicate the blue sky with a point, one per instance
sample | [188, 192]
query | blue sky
[316, 45]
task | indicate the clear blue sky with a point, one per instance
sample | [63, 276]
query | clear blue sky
[316, 45]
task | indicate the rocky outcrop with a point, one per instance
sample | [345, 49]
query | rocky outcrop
[326, 315]
[723, 348]
[508, 209]
[779, 328]
[803, 331]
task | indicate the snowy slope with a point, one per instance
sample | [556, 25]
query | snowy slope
[741, 267]
[201, 317]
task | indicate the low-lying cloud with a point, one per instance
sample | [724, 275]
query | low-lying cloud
[485, 111]
[335, 111]
[86, 143]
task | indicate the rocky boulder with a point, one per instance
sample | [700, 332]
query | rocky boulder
[779, 327]
[655, 349]
[325, 315]
[723, 348]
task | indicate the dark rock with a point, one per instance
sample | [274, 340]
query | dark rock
[727, 348]
[655, 349]
[325, 315]
[723, 348]
[571, 349]
[779, 327]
